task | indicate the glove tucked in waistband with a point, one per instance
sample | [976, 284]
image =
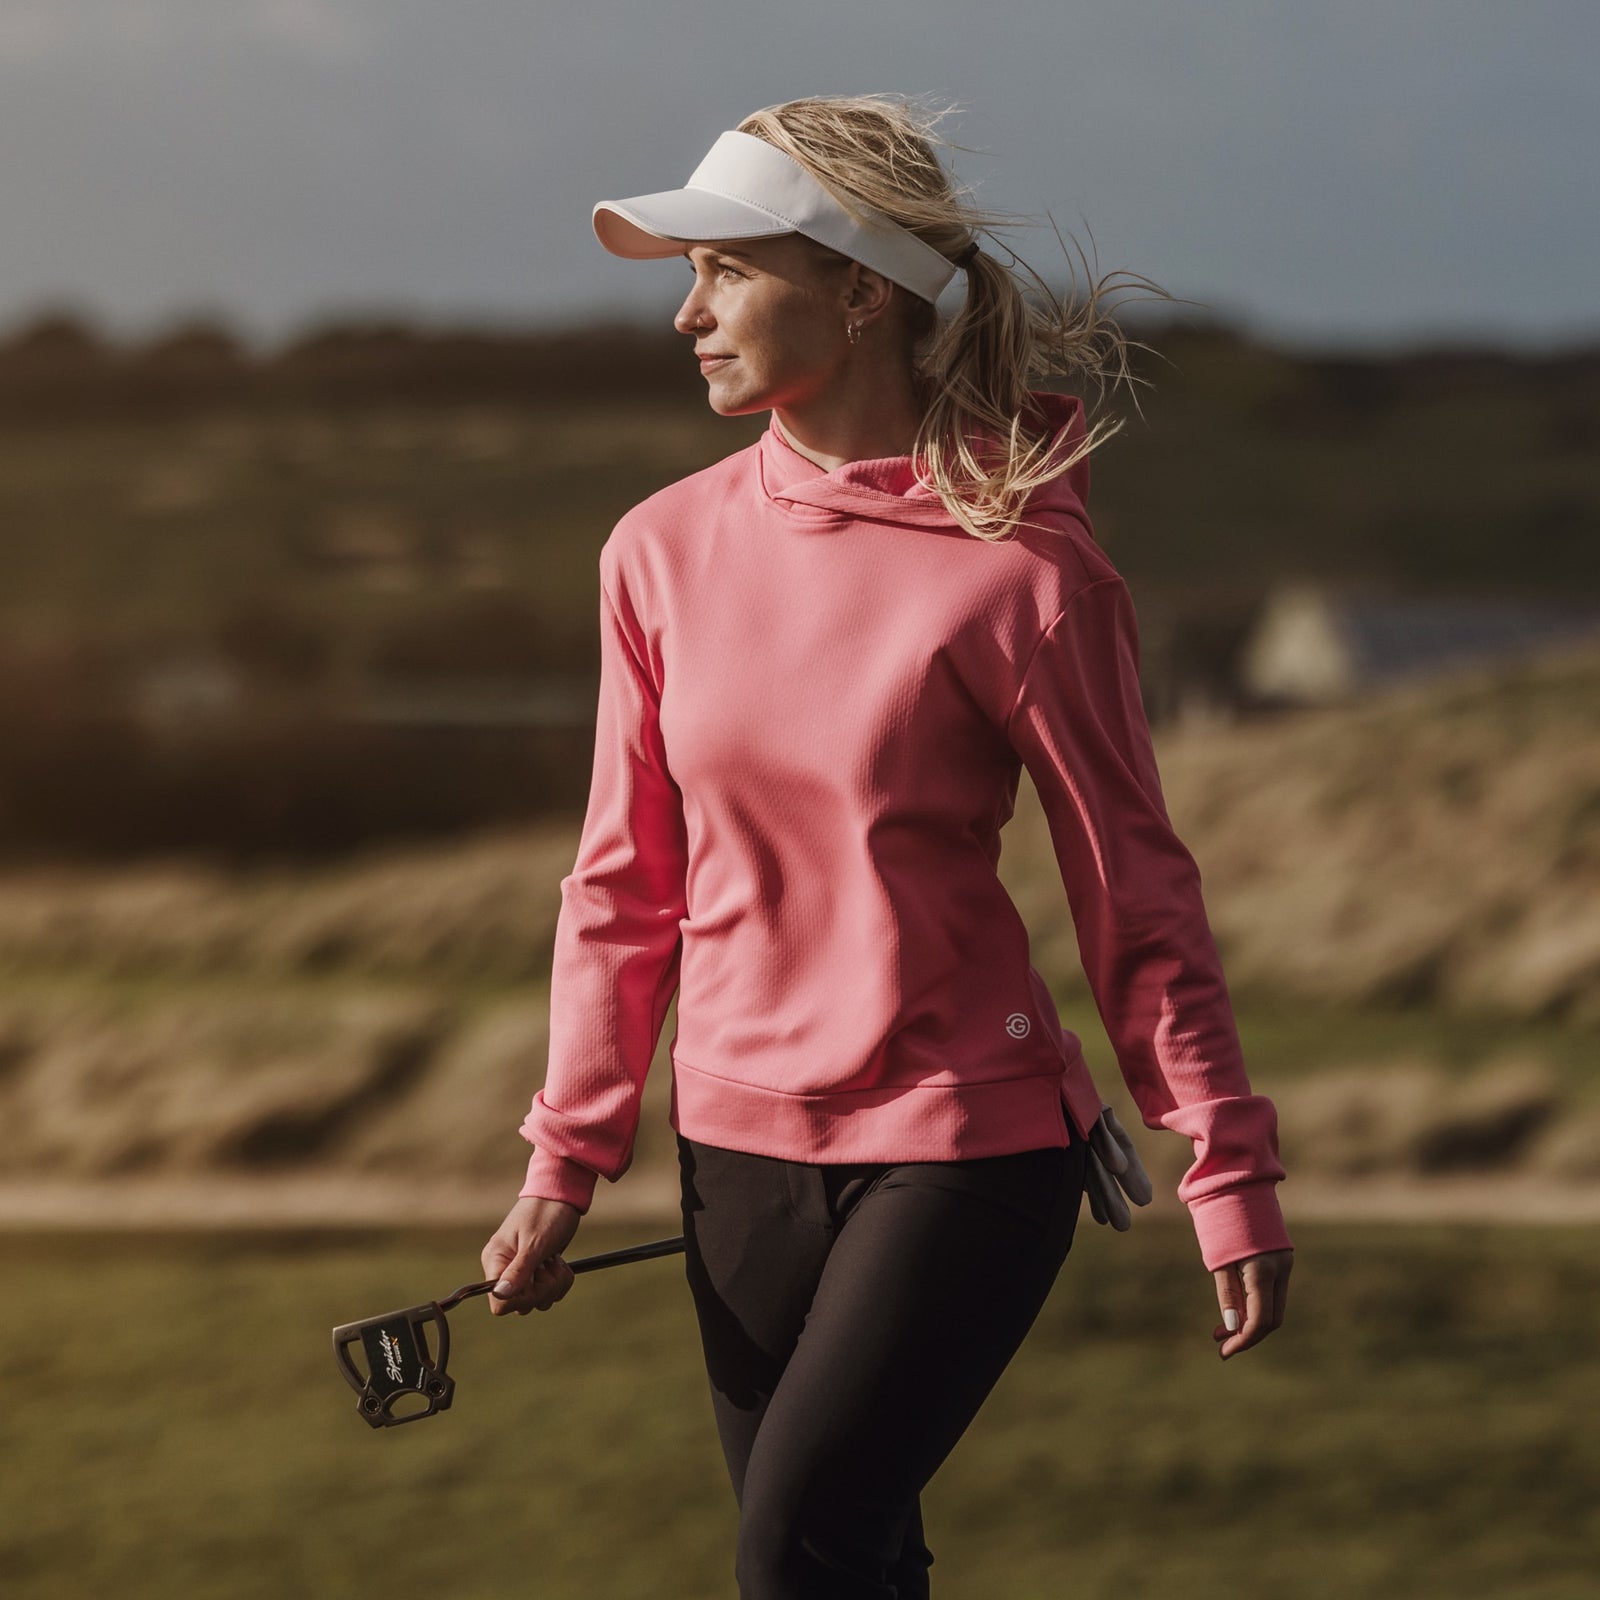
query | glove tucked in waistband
[1114, 1170]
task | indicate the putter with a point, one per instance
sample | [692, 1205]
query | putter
[401, 1361]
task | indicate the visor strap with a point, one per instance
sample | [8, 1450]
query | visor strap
[742, 167]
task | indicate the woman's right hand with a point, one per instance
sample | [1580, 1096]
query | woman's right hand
[525, 1254]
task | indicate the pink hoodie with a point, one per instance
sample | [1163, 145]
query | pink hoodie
[816, 696]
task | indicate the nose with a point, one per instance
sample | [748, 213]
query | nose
[692, 314]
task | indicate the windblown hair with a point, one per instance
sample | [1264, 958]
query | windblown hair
[983, 444]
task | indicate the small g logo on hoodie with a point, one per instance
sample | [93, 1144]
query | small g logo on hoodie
[1017, 1025]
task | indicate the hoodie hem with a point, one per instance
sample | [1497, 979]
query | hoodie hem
[895, 1122]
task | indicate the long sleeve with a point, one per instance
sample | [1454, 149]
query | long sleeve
[618, 939]
[1079, 726]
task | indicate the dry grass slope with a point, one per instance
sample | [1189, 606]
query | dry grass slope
[1438, 849]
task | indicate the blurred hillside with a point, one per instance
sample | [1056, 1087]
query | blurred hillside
[297, 676]
[1419, 989]
[278, 605]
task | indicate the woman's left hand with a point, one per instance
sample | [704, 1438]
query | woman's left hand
[1258, 1289]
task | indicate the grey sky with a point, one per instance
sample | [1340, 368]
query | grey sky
[1368, 172]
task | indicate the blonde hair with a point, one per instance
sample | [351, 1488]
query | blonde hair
[983, 445]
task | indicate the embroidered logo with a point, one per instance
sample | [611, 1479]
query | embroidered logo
[1017, 1025]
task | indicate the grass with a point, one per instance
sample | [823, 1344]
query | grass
[214, 1031]
[158, 528]
[175, 1425]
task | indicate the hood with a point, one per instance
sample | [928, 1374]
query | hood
[886, 490]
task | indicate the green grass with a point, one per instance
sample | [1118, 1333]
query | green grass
[175, 1425]
[258, 493]
[1287, 1039]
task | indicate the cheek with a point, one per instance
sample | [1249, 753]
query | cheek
[799, 337]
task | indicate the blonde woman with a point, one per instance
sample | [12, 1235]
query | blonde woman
[825, 661]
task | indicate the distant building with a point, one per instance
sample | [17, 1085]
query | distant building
[1312, 645]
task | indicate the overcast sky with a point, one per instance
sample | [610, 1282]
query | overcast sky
[1363, 173]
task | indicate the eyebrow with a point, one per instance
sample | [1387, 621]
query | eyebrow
[717, 250]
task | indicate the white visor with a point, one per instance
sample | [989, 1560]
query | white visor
[749, 189]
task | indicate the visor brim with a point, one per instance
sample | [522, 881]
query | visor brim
[649, 226]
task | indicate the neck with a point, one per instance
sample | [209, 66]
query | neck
[865, 422]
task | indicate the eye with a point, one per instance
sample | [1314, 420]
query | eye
[718, 269]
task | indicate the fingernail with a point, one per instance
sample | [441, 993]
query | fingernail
[505, 1288]
[1230, 1320]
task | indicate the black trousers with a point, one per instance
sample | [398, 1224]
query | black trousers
[854, 1318]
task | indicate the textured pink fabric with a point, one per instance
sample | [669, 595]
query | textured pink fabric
[816, 697]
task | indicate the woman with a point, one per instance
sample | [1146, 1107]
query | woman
[825, 660]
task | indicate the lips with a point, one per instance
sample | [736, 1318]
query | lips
[708, 359]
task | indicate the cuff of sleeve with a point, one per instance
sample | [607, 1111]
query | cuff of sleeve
[1235, 1223]
[553, 1177]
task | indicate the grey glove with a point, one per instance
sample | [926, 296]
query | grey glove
[1114, 1170]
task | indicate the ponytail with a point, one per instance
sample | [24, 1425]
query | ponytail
[984, 446]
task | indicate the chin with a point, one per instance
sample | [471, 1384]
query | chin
[737, 405]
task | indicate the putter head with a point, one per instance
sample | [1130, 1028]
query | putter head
[399, 1364]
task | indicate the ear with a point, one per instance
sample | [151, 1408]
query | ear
[867, 293]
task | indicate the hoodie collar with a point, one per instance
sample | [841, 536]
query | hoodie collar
[885, 489]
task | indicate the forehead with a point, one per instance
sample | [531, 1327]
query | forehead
[783, 249]
[740, 249]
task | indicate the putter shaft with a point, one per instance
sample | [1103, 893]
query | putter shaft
[609, 1258]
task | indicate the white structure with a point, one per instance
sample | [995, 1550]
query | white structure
[1313, 646]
